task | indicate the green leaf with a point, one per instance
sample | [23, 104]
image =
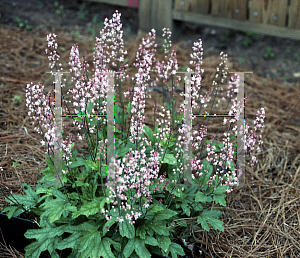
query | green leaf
[179, 193]
[108, 224]
[159, 227]
[91, 245]
[155, 208]
[69, 242]
[208, 215]
[149, 133]
[163, 242]
[220, 199]
[129, 247]
[140, 248]
[120, 118]
[129, 108]
[12, 211]
[45, 170]
[207, 170]
[87, 239]
[126, 229]
[80, 183]
[221, 189]
[92, 165]
[78, 163]
[96, 166]
[25, 200]
[121, 152]
[201, 197]
[165, 214]
[59, 195]
[216, 224]
[116, 245]
[41, 189]
[149, 240]
[207, 166]
[186, 209]
[50, 164]
[103, 250]
[57, 210]
[166, 142]
[169, 159]
[203, 223]
[176, 249]
[210, 189]
[36, 248]
[49, 232]
[29, 192]
[141, 231]
[178, 118]
[87, 226]
[89, 107]
[197, 207]
[92, 207]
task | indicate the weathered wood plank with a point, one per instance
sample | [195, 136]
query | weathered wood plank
[212, 20]
[269, 11]
[294, 14]
[159, 14]
[112, 2]
[155, 14]
[199, 6]
[236, 9]
[256, 11]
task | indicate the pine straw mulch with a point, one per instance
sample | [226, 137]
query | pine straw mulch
[262, 216]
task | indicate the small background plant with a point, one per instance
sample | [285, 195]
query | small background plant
[17, 99]
[59, 9]
[297, 57]
[82, 12]
[95, 26]
[269, 53]
[241, 60]
[224, 38]
[23, 24]
[251, 37]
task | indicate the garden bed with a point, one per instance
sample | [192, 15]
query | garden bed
[261, 218]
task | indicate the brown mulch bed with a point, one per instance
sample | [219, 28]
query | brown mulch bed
[261, 218]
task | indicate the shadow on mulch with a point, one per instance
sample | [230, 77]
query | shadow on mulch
[261, 218]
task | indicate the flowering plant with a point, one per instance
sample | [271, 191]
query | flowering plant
[139, 212]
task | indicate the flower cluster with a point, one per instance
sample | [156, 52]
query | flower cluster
[75, 61]
[144, 63]
[134, 174]
[111, 38]
[196, 80]
[53, 45]
[42, 113]
[250, 139]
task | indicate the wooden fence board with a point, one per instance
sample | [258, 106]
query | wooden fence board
[246, 25]
[269, 11]
[271, 17]
[199, 6]
[256, 10]
[155, 14]
[294, 14]
[112, 2]
[236, 9]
